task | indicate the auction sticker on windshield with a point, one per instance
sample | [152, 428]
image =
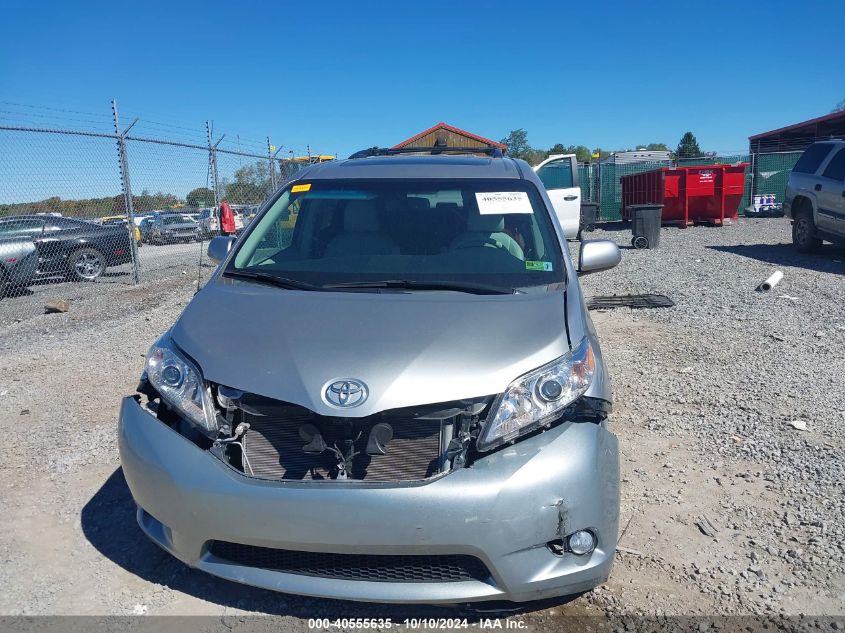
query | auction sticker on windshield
[501, 202]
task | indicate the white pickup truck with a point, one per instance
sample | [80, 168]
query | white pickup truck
[559, 174]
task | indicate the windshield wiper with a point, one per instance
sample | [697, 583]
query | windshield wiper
[273, 280]
[475, 289]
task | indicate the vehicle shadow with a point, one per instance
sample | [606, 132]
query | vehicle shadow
[829, 258]
[51, 279]
[613, 225]
[108, 523]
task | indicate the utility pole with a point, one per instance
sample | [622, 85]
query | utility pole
[271, 158]
[127, 187]
[212, 159]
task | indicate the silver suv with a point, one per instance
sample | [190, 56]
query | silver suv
[389, 390]
[815, 196]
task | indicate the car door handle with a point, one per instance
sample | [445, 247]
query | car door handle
[569, 198]
[818, 187]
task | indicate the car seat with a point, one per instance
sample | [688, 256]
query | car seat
[487, 230]
[361, 233]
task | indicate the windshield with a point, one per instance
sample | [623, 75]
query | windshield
[495, 233]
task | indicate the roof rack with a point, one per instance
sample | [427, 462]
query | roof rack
[494, 152]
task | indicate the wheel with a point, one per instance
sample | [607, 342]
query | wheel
[87, 264]
[639, 242]
[804, 233]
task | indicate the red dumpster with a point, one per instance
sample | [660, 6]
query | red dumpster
[698, 194]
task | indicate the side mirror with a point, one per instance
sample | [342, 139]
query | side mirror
[596, 255]
[219, 247]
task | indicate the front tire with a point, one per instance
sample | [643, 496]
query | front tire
[87, 264]
[804, 236]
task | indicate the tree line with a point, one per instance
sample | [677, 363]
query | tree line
[518, 147]
[93, 207]
[251, 185]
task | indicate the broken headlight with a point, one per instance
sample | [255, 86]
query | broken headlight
[537, 398]
[180, 384]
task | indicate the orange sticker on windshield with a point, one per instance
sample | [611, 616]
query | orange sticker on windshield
[298, 188]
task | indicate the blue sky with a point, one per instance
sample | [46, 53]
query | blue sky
[345, 75]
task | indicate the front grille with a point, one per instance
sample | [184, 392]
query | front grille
[274, 446]
[369, 567]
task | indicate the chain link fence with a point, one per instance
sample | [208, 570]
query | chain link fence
[82, 209]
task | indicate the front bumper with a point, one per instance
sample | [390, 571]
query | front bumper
[503, 510]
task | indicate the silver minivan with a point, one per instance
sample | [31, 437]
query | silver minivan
[389, 390]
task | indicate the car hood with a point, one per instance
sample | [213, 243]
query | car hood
[408, 348]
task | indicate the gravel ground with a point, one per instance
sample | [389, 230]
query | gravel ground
[156, 262]
[707, 393]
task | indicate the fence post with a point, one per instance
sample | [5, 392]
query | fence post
[753, 181]
[127, 187]
[599, 183]
[212, 158]
[271, 163]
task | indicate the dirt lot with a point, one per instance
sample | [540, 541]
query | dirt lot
[707, 394]
[156, 263]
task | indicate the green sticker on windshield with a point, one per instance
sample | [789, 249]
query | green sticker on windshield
[544, 266]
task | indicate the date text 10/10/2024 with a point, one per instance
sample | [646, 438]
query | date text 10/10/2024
[415, 623]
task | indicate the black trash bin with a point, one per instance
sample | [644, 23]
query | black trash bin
[645, 225]
[589, 215]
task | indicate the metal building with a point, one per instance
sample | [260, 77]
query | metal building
[796, 137]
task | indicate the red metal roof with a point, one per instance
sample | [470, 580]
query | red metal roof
[456, 130]
[827, 117]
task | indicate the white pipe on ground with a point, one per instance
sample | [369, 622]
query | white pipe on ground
[771, 282]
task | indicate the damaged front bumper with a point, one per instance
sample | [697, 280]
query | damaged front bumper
[504, 510]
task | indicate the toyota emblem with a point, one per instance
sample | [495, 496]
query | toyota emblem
[345, 393]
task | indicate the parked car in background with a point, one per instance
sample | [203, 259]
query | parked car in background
[168, 228]
[18, 263]
[241, 220]
[121, 220]
[247, 214]
[67, 246]
[209, 222]
[439, 430]
[144, 227]
[559, 174]
[815, 196]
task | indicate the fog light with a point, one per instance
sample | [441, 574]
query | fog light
[581, 542]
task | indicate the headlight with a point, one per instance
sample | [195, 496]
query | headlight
[538, 397]
[180, 384]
